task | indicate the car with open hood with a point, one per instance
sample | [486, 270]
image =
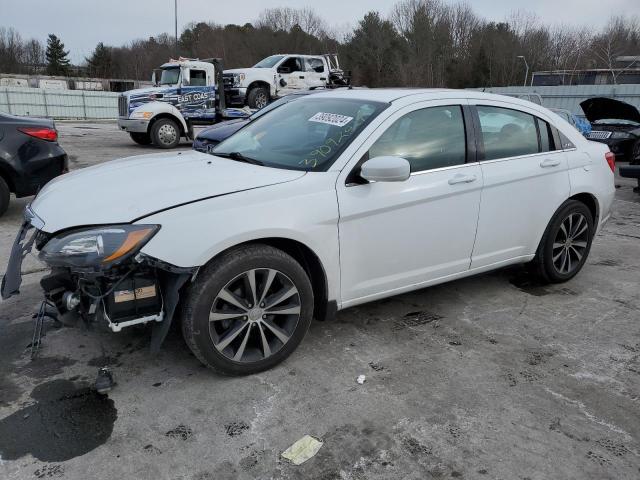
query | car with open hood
[321, 204]
[616, 124]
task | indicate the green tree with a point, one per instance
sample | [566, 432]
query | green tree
[100, 63]
[375, 52]
[57, 58]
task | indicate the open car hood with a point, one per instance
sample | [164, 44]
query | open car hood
[599, 108]
[128, 189]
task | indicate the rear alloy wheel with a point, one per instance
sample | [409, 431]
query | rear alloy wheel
[141, 138]
[165, 133]
[248, 310]
[566, 244]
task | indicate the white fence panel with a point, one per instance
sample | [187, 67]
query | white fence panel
[60, 104]
[569, 97]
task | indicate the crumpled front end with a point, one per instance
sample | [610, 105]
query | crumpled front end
[99, 277]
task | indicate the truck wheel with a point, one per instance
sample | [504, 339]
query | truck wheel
[141, 138]
[4, 196]
[566, 243]
[165, 133]
[258, 97]
[247, 310]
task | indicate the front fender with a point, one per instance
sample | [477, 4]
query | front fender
[301, 210]
[153, 109]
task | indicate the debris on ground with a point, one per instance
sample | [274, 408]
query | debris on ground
[302, 450]
[361, 379]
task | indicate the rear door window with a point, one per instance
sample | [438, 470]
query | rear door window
[507, 133]
[314, 65]
[547, 143]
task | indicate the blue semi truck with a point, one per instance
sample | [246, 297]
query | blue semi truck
[186, 92]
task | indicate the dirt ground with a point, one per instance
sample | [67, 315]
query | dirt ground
[491, 377]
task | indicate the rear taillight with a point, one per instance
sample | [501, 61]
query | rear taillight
[611, 160]
[44, 133]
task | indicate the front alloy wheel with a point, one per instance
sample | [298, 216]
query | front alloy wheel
[254, 315]
[247, 310]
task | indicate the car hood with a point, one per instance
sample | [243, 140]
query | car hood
[222, 130]
[600, 108]
[128, 189]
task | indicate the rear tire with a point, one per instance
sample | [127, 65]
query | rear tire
[141, 138]
[566, 243]
[248, 310]
[258, 97]
[165, 133]
[5, 195]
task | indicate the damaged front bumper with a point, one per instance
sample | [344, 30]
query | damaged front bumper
[139, 290]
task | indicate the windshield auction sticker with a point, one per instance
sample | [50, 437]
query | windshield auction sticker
[331, 119]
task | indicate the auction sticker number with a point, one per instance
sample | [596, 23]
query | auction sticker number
[331, 119]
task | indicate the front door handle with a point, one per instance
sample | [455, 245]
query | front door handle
[550, 162]
[462, 179]
[302, 76]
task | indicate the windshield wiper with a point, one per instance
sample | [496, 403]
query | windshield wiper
[239, 157]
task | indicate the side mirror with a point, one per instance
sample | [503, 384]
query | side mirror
[155, 76]
[284, 70]
[386, 169]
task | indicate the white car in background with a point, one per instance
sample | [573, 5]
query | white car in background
[324, 203]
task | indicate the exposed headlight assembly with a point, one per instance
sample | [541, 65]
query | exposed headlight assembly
[238, 78]
[96, 247]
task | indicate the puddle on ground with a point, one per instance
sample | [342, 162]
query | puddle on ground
[528, 285]
[65, 421]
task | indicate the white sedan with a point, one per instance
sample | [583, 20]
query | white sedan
[331, 201]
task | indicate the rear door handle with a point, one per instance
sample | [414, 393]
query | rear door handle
[550, 162]
[462, 179]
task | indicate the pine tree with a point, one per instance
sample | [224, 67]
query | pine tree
[57, 60]
[100, 62]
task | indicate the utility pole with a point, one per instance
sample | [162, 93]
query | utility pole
[175, 8]
[526, 73]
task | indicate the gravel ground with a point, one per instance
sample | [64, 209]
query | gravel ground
[491, 377]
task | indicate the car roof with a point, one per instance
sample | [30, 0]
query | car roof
[389, 95]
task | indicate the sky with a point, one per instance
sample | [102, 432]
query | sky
[81, 24]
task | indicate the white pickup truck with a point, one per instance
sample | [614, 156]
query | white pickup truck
[280, 75]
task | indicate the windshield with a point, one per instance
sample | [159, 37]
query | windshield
[617, 121]
[170, 76]
[307, 134]
[269, 62]
[274, 105]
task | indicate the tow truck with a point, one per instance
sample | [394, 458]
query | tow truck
[186, 92]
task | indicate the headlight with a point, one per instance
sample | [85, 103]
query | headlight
[96, 247]
[621, 135]
[238, 78]
[143, 115]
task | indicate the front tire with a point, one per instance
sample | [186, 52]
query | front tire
[5, 195]
[165, 133]
[258, 97]
[566, 243]
[248, 310]
[141, 138]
